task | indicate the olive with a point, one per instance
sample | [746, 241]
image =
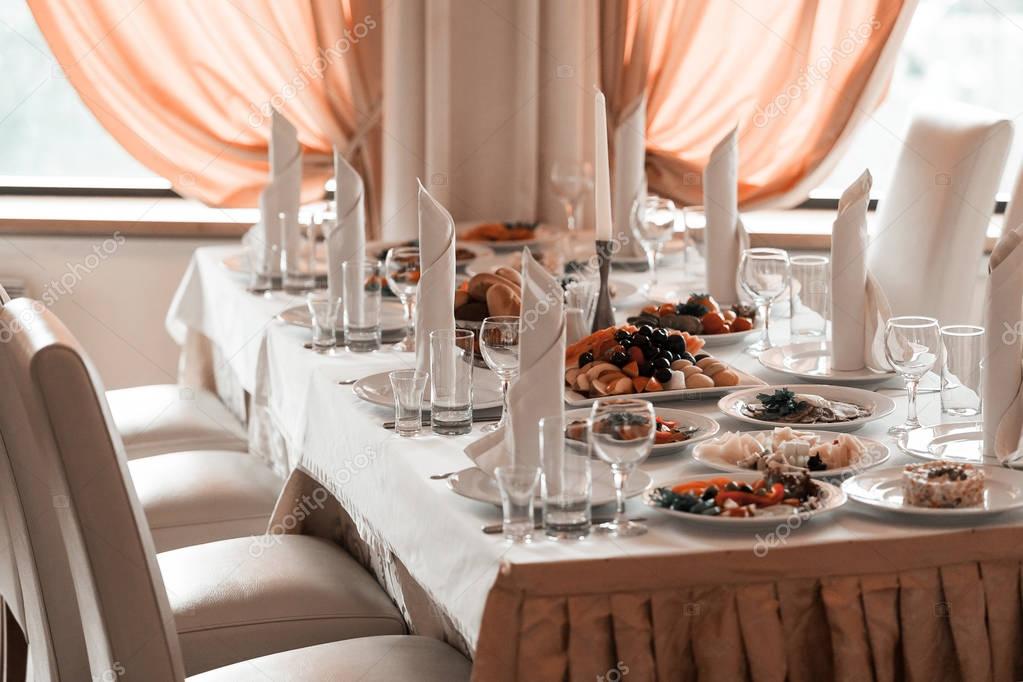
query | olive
[626, 343]
[621, 335]
[662, 374]
[619, 358]
[585, 359]
[667, 355]
[710, 493]
[645, 330]
[688, 356]
[744, 488]
[731, 486]
[699, 357]
[659, 335]
[684, 502]
[701, 506]
[645, 370]
[659, 362]
[643, 343]
[676, 343]
[711, 511]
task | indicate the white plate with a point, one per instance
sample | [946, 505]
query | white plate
[239, 264]
[376, 389]
[832, 498]
[543, 234]
[707, 427]
[812, 360]
[959, 441]
[392, 318]
[576, 399]
[880, 406]
[882, 489]
[717, 340]
[478, 485]
[378, 249]
[877, 453]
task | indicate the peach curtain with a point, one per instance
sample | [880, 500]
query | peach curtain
[186, 85]
[796, 75]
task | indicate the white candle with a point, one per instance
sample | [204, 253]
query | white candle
[602, 179]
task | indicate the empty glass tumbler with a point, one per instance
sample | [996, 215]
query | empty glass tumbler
[567, 479]
[962, 353]
[809, 297]
[451, 362]
[408, 386]
[362, 284]
[517, 484]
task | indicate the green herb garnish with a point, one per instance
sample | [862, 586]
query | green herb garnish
[781, 402]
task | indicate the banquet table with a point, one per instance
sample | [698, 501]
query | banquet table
[852, 595]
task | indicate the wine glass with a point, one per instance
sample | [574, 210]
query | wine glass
[570, 181]
[622, 431]
[764, 275]
[912, 346]
[653, 222]
[403, 271]
[499, 344]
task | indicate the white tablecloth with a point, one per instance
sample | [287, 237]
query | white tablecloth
[383, 480]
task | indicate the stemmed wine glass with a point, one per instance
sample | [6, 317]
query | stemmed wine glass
[570, 181]
[764, 275]
[912, 346]
[403, 271]
[499, 344]
[622, 431]
[653, 222]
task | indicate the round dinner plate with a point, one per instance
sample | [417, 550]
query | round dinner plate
[376, 389]
[882, 489]
[239, 264]
[832, 497]
[478, 485]
[880, 406]
[717, 340]
[812, 360]
[706, 427]
[877, 453]
[392, 318]
[958, 441]
[378, 250]
[543, 234]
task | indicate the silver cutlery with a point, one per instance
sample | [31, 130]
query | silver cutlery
[495, 528]
[441, 477]
[346, 382]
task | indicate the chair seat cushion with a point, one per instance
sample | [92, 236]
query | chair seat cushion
[164, 418]
[191, 498]
[239, 599]
[371, 659]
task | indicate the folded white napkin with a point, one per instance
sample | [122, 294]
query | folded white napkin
[1002, 376]
[630, 175]
[282, 194]
[539, 390]
[859, 308]
[435, 294]
[345, 235]
[725, 234]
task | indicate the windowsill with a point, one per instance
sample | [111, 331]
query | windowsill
[800, 229]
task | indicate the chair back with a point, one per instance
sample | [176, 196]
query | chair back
[92, 568]
[928, 237]
[4, 298]
[1014, 211]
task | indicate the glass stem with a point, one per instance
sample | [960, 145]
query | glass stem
[570, 215]
[505, 383]
[651, 260]
[766, 338]
[620, 475]
[410, 313]
[911, 386]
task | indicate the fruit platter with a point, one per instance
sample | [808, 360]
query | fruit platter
[701, 315]
[655, 363]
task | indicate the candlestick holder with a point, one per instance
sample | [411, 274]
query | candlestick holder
[604, 315]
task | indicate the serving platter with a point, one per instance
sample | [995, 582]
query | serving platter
[376, 389]
[882, 489]
[811, 360]
[880, 406]
[543, 235]
[478, 485]
[576, 399]
[705, 427]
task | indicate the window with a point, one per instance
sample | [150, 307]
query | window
[47, 136]
[964, 50]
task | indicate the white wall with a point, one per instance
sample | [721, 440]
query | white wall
[112, 295]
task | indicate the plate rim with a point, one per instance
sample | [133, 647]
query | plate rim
[280, 318]
[928, 512]
[358, 388]
[852, 425]
[848, 376]
[677, 393]
[667, 448]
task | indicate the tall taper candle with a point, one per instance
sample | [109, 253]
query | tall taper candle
[602, 177]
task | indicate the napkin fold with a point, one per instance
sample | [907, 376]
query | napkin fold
[435, 294]
[859, 307]
[725, 234]
[1002, 375]
[282, 194]
[539, 390]
[630, 174]
[345, 235]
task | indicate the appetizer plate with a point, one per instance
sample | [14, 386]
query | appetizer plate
[832, 497]
[717, 340]
[882, 489]
[812, 360]
[378, 249]
[543, 234]
[376, 389]
[478, 485]
[880, 406]
[958, 441]
[705, 427]
[239, 264]
[576, 399]
[877, 453]
[392, 318]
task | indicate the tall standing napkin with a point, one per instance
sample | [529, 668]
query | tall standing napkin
[859, 308]
[1002, 376]
[630, 174]
[539, 390]
[725, 234]
[281, 195]
[346, 235]
[435, 297]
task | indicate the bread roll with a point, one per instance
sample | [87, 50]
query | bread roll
[706, 361]
[461, 298]
[502, 300]
[479, 284]
[699, 381]
[509, 274]
[726, 377]
[712, 368]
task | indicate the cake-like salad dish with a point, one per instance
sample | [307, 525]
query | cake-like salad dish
[796, 408]
[943, 484]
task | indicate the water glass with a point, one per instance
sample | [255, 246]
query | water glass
[622, 431]
[263, 263]
[408, 386]
[499, 345]
[653, 224]
[403, 272]
[361, 291]
[962, 350]
[451, 361]
[764, 274]
[323, 312]
[567, 481]
[912, 346]
[581, 292]
[517, 484]
[695, 220]
[809, 297]
[571, 180]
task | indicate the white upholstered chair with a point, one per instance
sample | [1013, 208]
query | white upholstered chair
[927, 239]
[1014, 211]
[92, 558]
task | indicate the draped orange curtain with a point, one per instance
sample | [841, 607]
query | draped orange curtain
[797, 76]
[186, 86]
